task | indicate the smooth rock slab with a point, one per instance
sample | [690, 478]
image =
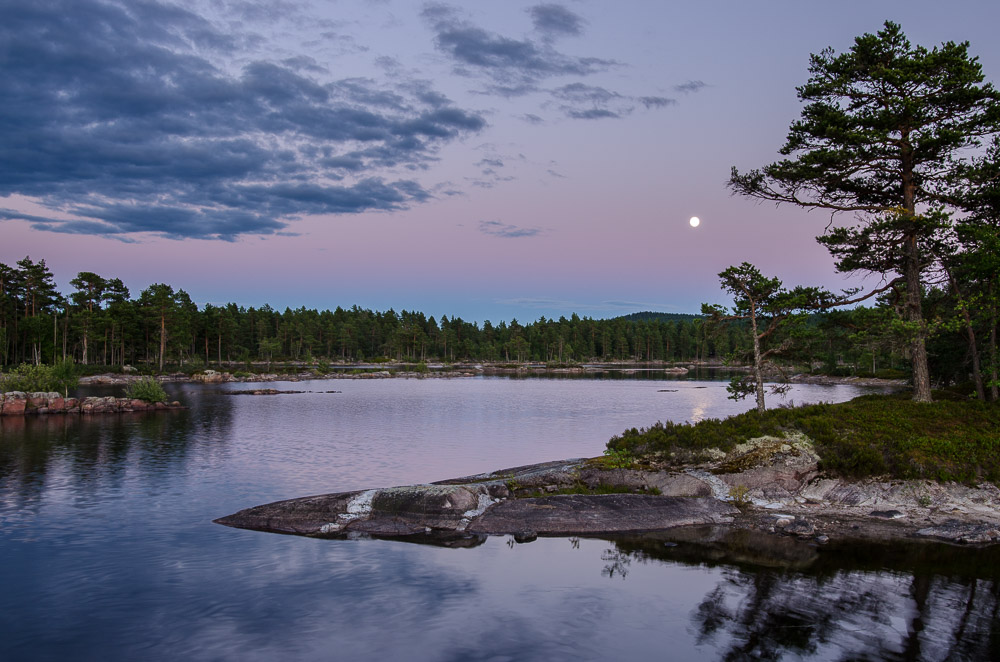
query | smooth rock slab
[445, 512]
[585, 514]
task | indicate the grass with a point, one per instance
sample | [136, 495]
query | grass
[873, 435]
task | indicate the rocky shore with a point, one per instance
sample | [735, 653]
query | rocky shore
[215, 377]
[435, 371]
[19, 403]
[768, 484]
[856, 381]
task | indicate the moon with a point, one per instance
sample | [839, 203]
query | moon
[695, 221]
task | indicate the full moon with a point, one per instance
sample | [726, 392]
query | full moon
[695, 221]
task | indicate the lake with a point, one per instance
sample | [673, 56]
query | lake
[108, 552]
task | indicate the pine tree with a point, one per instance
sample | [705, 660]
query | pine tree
[883, 131]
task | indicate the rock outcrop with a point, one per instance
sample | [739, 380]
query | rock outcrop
[464, 510]
[771, 484]
[19, 403]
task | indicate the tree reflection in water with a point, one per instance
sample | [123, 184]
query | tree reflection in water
[850, 600]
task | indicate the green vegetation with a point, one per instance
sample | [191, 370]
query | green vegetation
[146, 389]
[650, 316]
[875, 435]
[740, 494]
[100, 323]
[34, 378]
[615, 458]
[890, 136]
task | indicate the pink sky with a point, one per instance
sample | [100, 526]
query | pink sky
[529, 206]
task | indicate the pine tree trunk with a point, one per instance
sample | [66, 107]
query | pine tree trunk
[915, 315]
[757, 368]
[911, 271]
[994, 381]
[163, 339]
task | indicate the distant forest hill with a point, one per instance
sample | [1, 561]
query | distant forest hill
[99, 322]
[650, 316]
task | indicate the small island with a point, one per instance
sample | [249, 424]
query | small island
[877, 467]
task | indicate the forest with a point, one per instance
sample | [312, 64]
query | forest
[100, 325]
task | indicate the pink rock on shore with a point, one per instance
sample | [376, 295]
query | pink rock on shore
[18, 403]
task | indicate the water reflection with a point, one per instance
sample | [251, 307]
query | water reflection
[84, 456]
[780, 597]
[108, 550]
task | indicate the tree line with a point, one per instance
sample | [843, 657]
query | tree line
[99, 322]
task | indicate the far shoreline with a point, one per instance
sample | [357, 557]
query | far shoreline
[459, 370]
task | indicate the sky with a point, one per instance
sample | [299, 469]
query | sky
[488, 160]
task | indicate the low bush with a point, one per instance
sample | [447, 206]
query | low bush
[892, 373]
[872, 435]
[146, 389]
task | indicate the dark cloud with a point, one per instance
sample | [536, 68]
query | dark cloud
[588, 102]
[592, 114]
[112, 112]
[498, 229]
[305, 63]
[512, 65]
[555, 20]
[580, 93]
[657, 102]
[690, 87]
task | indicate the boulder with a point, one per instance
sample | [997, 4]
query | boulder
[14, 403]
[679, 484]
[777, 467]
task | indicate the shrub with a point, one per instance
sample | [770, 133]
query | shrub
[740, 494]
[146, 389]
[891, 373]
[949, 439]
[618, 459]
[32, 378]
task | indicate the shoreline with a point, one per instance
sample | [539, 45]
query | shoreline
[435, 371]
[782, 495]
[19, 403]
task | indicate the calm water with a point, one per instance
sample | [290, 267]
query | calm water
[107, 550]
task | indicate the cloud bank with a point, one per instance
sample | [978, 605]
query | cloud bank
[517, 67]
[115, 113]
